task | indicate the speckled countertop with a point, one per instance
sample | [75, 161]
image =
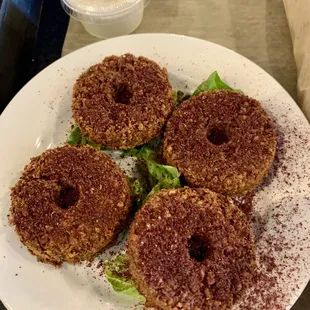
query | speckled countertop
[256, 29]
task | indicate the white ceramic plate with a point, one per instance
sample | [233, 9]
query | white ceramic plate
[39, 117]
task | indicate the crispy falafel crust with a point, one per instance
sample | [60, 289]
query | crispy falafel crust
[159, 250]
[123, 101]
[69, 204]
[243, 153]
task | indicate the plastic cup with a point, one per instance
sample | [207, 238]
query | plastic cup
[107, 18]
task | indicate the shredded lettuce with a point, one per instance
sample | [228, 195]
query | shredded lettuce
[77, 138]
[163, 176]
[174, 183]
[214, 82]
[94, 145]
[178, 97]
[138, 192]
[118, 275]
[160, 172]
[136, 187]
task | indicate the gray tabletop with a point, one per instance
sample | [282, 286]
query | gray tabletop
[254, 28]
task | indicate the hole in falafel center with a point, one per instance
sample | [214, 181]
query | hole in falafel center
[122, 94]
[198, 248]
[68, 197]
[218, 136]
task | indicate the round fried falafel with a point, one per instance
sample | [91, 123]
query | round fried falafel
[222, 140]
[69, 204]
[122, 102]
[191, 249]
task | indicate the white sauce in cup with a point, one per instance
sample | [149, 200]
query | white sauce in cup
[107, 18]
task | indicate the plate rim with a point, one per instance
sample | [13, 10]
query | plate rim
[4, 112]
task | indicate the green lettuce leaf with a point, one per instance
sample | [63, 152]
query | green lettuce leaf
[94, 145]
[138, 192]
[83, 140]
[160, 172]
[179, 97]
[161, 176]
[118, 275]
[131, 152]
[77, 138]
[167, 184]
[136, 187]
[214, 82]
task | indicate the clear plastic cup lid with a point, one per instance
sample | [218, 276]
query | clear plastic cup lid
[86, 9]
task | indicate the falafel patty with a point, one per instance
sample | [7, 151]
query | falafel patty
[191, 249]
[221, 140]
[69, 204]
[122, 102]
